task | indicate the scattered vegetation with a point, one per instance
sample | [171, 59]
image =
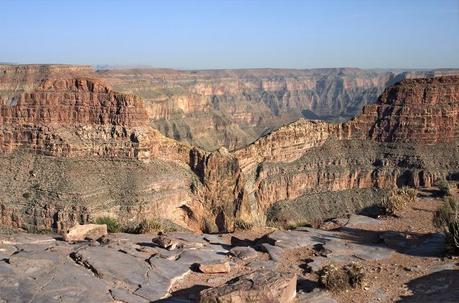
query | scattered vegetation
[112, 224]
[242, 225]
[398, 199]
[446, 218]
[443, 187]
[143, 226]
[334, 278]
[151, 225]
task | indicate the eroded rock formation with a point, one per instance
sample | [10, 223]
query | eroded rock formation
[72, 149]
[233, 108]
[407, 138]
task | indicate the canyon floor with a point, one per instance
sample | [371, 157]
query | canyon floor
[402, 258]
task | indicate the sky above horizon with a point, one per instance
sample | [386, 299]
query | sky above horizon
[206, 34]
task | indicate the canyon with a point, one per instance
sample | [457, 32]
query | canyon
[232, 108]
[74, 149]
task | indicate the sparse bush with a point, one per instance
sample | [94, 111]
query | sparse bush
[398, 199]
[333, 277]
[242, 225]
[112, 224]
[443, 187]
[149, 226]
[355, 274]
[446, 218]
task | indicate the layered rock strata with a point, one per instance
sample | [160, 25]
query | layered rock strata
[72, 149]
[408, 138]
[232, 108]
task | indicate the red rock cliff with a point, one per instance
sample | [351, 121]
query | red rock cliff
[415, 110]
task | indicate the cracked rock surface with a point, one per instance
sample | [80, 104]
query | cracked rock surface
[141, 268]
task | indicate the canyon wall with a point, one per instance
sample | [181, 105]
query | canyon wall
[232, 108]
[409, 137]
[74, 149]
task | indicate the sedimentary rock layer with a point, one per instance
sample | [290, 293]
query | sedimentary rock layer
[232, 108]
[73, 149]
[408, 138]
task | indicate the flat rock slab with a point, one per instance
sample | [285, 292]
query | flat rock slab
[49, 276]
[356, 220]
[275, 252]
[243, 252]
[315, 296]
[432, 246]
[260, 286]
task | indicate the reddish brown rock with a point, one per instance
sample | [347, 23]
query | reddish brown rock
[422, 111]
[215, 267]
[86, 232]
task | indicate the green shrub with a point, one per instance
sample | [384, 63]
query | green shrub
[446, 218]
[443, 187]
[333, 277]
[398, 199]
[112, 224]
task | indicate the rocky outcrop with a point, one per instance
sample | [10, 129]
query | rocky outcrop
[223, 193]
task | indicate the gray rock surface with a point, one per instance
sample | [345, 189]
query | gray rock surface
[134, 269]
[257, 287]
[243, 252]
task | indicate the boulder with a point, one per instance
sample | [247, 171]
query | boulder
[260, 286]
[215, 267]
[167, 242]
[86, 232]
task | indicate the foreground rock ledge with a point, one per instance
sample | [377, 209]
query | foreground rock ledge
[264, 286]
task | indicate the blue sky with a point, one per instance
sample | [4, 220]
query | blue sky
[200, 34]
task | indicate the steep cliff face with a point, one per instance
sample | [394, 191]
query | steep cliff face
[407, 138]
[72, 149]
[232, 108]
[15, 79]
[424, 111]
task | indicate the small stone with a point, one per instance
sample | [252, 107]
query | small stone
[215, 267]
[166, 242]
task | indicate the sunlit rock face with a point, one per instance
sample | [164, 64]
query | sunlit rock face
[409, 137]
[73, 149]
[232, 108]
